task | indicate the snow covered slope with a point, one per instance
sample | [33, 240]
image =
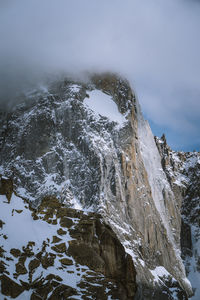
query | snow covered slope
[52, 252]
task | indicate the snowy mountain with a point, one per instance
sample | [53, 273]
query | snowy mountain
[91, 203]
[183, 172]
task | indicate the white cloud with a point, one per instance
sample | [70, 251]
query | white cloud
[155, 43]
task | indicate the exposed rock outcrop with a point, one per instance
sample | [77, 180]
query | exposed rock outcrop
[89, 254]
[58, 146]
[183, 172]
[6, 187]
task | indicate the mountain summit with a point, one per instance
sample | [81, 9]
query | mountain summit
[90, 202]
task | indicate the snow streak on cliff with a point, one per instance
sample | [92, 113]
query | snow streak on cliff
[87, 144]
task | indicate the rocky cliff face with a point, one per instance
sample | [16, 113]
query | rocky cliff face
[87, 144]
[183, 172]
[62, 253]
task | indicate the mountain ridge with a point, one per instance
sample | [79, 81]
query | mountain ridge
[59, 146]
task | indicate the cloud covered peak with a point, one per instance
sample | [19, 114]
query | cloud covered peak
[154, 44]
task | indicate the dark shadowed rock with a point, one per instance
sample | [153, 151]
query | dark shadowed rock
[6, 187]
[10, 287]
[186, 239]
[15, 252]
[98, 247]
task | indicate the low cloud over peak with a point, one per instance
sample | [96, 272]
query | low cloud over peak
[155, 44]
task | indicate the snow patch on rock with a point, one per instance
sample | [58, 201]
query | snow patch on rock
[103, 104]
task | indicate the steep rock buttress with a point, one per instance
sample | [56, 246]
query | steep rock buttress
[183, 172]
[58, 141]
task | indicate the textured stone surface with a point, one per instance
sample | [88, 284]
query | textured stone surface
[6, 187]
[10, 287]
[58, 147]
[90, 252]
[183, 172]
[97, 247]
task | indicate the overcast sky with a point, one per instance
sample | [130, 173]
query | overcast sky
[154, 43]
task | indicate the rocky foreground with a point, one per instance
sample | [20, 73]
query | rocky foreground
[55, 252]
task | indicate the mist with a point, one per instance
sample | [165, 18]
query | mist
[153, 43]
